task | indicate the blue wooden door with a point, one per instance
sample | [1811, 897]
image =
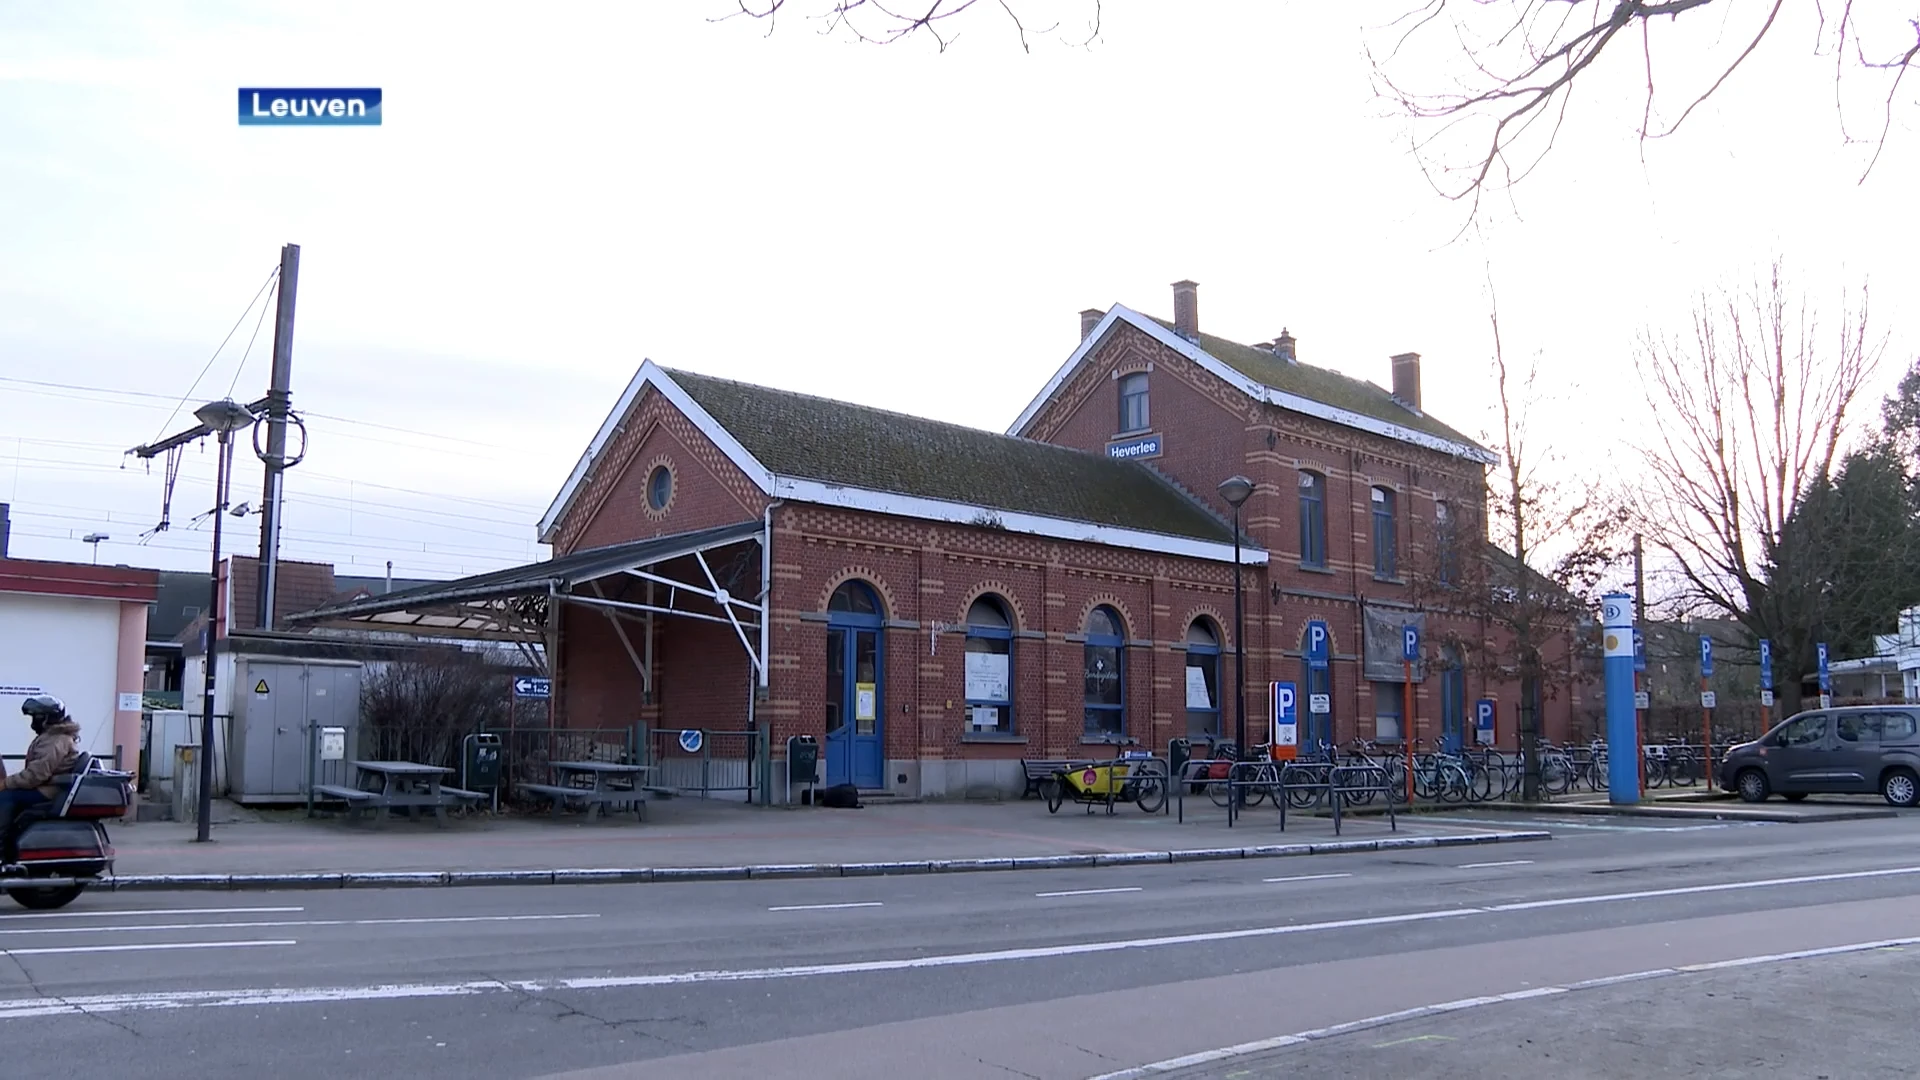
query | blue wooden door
[1453, 703]
[856, 691]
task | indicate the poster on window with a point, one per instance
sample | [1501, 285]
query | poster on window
[986, 717]
[986, 676]
[1385, 627]
[865, 701]
[1197, 695]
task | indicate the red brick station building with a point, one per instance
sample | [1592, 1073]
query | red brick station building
[933, 602]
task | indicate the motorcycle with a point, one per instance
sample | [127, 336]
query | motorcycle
[53, 850]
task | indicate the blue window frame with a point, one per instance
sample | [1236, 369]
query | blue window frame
[1201, 689]
[1313, 519]
[989, 667]
[1133, 403]
[1386, 556]
[1105, 672]
[660, 487]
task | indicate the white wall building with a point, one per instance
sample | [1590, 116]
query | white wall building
[77, 632]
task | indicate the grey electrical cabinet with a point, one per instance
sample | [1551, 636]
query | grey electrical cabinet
[275, 701]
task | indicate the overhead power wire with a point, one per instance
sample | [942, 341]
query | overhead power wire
[272, 276]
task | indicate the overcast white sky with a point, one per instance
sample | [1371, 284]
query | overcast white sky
[560, 191]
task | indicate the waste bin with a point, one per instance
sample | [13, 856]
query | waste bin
[480, 762]
[1179, 752]
[803, 763]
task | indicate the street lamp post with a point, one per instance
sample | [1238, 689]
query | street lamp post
[223, 418]
[1236, 490]
[94, 539]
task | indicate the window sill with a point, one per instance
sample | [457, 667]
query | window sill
[1135, 432]
[1086, 740]
[993, 737]
[1389, 579]
[1312, 569]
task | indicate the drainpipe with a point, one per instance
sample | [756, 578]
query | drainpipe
[1359, 601]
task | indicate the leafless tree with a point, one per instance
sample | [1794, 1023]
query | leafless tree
[1514, 69]
[1747, 412]
[1548, 542]
[875, 23]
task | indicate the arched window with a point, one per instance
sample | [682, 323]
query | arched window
[989, 667]
[855, 598]
[1105, 671]
[1386, 560]
[1313, 519]
[1447, 555]
[1203, 679]
[1133, 403]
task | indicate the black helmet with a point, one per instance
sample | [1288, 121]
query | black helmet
[44, 708]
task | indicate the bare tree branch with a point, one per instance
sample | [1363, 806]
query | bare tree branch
[873, 22]
[1512, 63]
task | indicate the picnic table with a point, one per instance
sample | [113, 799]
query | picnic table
[408, 785]
[595, 785]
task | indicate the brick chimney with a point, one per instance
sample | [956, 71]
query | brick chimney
[1089, 319]
[1283, 347]
[1186, 309]
[1406, 379]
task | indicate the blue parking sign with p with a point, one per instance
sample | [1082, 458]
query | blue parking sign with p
[1409, 643]
[1766, 664]
[1319, 642]
[1286, 717]
[1483, 714]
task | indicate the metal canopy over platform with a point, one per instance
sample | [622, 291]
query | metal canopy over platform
[514, 605]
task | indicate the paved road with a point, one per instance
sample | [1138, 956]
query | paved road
[1051, 974]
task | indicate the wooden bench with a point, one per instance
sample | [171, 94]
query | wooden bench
[590, 799]
[1039, 772]
[351, 796]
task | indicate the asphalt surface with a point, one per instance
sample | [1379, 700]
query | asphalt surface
[1049, 974]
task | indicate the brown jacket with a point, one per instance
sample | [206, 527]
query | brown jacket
[50, 754]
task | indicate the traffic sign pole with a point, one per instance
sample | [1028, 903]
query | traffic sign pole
[1706, 711]
[1409, 649]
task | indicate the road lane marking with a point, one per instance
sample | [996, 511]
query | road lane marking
[149, 947]
[1491, 865]
[1207, 1057]
[1687, 890]
[110, 914]
[1412, 1039]
[253, 998]
[827, 907]
[136, 927]
[1089, 892]
[1303, 877]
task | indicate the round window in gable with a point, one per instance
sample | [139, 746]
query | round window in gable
[659, 487]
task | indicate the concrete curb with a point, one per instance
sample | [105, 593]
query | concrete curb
[625, 876]
[1740, 812]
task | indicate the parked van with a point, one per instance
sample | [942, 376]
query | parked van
[1858, 749]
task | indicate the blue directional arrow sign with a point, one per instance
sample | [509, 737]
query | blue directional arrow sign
[1639, 650]
[529, 686]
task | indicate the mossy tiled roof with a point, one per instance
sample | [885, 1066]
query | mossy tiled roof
[835, 442]
[1322, 385]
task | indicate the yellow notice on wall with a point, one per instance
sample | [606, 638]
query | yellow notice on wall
[866, 700]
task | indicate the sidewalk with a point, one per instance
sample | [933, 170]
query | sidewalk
[691, 839]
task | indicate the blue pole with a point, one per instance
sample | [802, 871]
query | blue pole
[1623, 744]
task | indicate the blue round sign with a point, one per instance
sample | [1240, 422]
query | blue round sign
[690, 740]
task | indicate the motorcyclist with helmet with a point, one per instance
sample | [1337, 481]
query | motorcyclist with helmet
[53, 751]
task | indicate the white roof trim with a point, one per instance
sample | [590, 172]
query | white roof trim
[798, 489]
[650, 374]
[1255, 390]
[884, 502]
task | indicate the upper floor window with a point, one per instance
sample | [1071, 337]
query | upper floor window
[1313, 519]
[1133, 402]
[1386, 561]
[1446, 550]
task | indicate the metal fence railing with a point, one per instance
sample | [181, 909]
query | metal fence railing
[695, 761]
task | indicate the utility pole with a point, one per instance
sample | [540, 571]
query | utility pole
[279, 403]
